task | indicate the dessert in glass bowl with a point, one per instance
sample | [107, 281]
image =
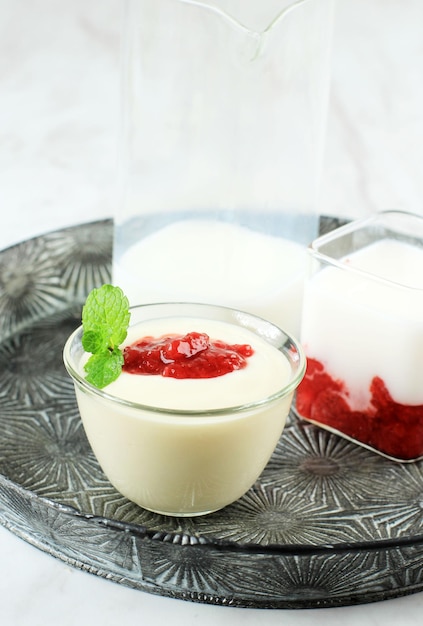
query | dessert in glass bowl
[181, 438]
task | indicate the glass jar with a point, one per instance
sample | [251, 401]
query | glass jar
[224, 107]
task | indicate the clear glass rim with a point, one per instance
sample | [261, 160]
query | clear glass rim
[353, 226]
[291, 347]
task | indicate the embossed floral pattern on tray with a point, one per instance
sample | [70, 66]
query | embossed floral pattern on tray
[328, 523]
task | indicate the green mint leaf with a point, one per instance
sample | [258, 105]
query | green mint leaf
[95, 341]
[102, 369]
[105, 320]
[106, 311]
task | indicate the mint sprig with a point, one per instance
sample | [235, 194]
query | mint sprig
[105, 320]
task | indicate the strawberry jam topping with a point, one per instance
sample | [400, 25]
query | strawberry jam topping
[193, 355]
[392, 428]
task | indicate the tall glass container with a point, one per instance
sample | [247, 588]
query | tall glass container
[224, 108]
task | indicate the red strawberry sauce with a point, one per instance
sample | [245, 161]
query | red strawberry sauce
[193, 355]
[392, 428]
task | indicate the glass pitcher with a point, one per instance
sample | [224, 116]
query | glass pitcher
[224, 106]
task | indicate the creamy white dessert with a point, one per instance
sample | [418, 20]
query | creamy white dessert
[177, 446]
[219, 263]
[362, 332]
[347, 312]
[267, 371]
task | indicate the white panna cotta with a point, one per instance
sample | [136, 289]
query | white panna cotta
[266, 372]
[217, 262]
[362, 331]
[191, 446]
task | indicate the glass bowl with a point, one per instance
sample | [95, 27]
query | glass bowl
[204, 453]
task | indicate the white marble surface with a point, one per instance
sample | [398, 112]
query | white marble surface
[59, 101]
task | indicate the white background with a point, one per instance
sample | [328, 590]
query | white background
[59, 120]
